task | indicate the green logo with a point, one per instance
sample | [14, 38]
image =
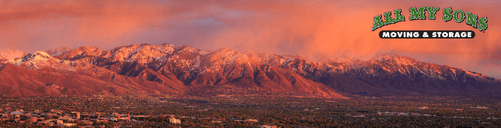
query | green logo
[421, 12]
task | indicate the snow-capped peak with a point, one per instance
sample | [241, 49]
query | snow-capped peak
[394, 59]
[9, 54]
[166, 48]
[182, 48]
[229, 56]
[58, 51]
[33, 61]
[143, 53]
[42, 54]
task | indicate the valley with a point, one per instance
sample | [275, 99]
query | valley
[249, 111]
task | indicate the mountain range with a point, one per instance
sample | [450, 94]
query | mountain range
[145, 69]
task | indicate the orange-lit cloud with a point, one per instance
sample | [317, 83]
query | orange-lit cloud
[25, 22]
[344, 28]
[310, 28]
[327, 28]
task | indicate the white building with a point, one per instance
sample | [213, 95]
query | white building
[174, 120]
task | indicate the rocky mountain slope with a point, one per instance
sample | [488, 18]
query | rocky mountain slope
[388, 74]
[165, 68]
[196, 68]
[42, 74]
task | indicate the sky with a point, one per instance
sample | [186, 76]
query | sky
[310, 28]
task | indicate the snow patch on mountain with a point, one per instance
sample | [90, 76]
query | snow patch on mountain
[9, 54]
[35, 57]
[41, 59]
[166, 48]
[58, 51]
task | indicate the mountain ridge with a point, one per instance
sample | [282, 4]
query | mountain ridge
[185, 69]
[58, 51]
[9, 54]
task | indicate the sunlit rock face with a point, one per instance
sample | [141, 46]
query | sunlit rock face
[8, 54]
[58, 51]
[166, 68]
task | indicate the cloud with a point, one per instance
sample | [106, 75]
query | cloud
[310, 28]
[26, 23]
[334, 28]
[340, 28]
